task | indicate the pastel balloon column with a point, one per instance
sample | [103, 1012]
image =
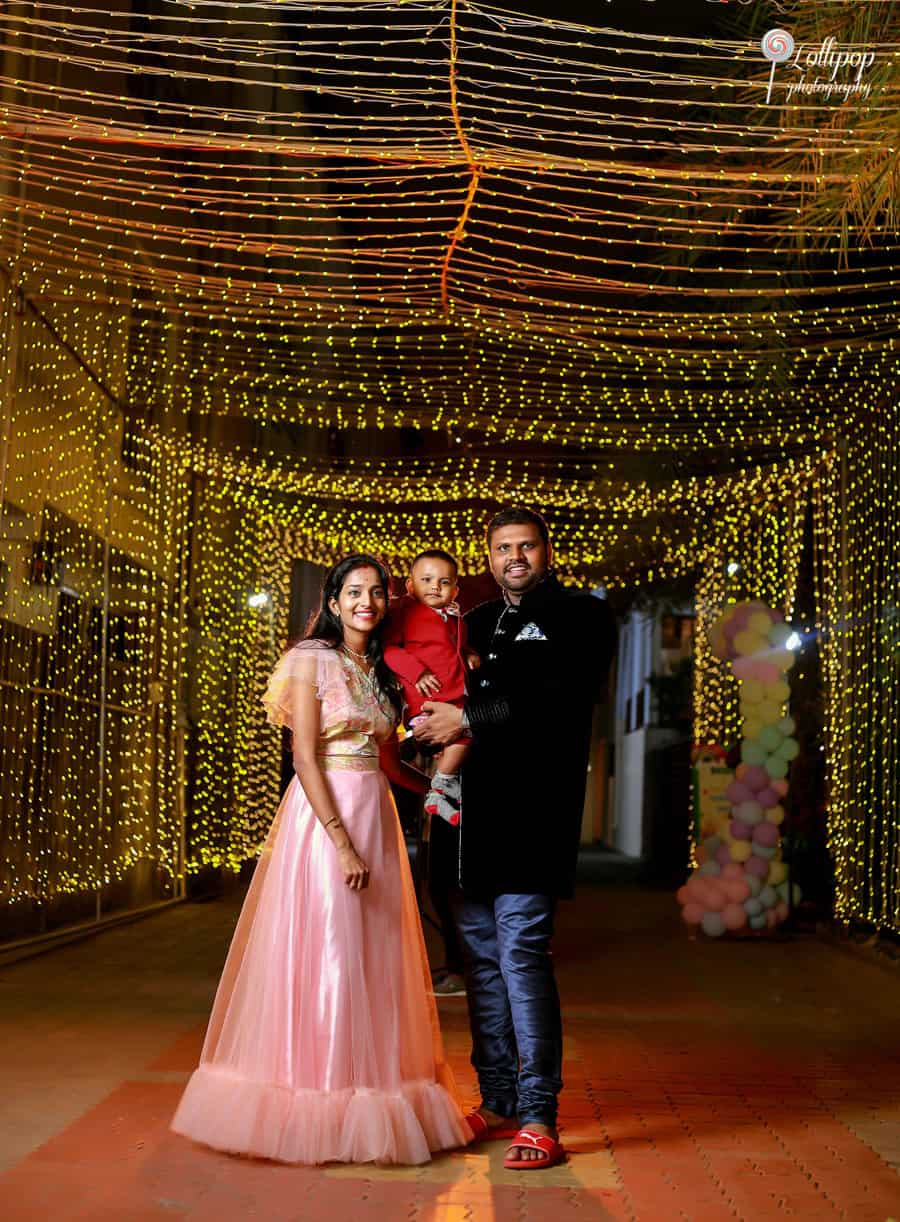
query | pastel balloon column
[741, 881]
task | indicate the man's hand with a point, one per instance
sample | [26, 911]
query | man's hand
[473, 660]
[428, 683]
[443, 724]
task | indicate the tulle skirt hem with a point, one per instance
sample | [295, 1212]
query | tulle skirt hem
[224, 1110]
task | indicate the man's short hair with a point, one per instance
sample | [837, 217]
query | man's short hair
[435, 553]
[517, 515]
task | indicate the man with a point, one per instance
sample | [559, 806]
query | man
[545, 658]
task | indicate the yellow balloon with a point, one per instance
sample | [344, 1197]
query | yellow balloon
[752, 691]
[759, 623]
[747, 642]
[777, 872]
[780, 691]
[740, 850]
[775, 815]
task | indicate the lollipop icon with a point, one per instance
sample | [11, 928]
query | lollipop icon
[777, 46]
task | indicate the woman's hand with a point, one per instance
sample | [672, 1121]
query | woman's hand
[428, 684]
[473, 660]
[356, 872]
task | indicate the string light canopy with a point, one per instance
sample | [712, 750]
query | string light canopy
[437, 216]
[540, 248]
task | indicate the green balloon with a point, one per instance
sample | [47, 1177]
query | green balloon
[752, 752]
[780, 634]
[776, 767]
[764, 851]
[770, 737]
[787, 726]
[789, 749]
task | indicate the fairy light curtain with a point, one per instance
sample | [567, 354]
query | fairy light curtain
[859, 578]
[92, 643]
[550, 244]
[753, 521]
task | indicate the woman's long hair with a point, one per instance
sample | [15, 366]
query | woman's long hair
[324, 625]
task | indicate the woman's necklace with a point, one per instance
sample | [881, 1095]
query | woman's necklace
[363, 665]
[359, 656]
[360, 662]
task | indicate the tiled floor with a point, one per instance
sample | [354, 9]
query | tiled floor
[703, 1081]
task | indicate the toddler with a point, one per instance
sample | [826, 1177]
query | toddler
[425, 646]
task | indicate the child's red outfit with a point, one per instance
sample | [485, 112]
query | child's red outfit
[418, 638]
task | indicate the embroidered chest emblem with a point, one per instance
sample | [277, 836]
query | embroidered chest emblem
[530, 632]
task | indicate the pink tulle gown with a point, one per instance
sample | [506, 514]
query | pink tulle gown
[324, 1044]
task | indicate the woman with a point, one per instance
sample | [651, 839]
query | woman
[324, 1043]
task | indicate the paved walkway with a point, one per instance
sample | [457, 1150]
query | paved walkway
[704, 1081]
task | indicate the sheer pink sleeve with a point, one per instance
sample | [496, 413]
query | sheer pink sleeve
[310, 662]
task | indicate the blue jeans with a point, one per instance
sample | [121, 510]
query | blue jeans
[513, 1004]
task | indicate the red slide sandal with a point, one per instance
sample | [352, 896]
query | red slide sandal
[482, 1131]
[525, 1139]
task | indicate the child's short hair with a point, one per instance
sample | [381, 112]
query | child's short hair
[435, 553]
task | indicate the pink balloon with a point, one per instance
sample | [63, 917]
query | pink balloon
[781, 910]
[716, 898]
[734, 916]
[743, 667]
[733, 871]
[767, 798]
[780, 786]
[740, 615]
[741, 831]
[682, 895]
[771, 918]
[758, 867]
[766, 834]
[698, 888]
[695, 887]
[723, 854]
[692, 914]
[737, 890]
[755, 778]
[767, 672]
[737, 792]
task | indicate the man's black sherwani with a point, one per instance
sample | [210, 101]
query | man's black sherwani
[530, 706]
